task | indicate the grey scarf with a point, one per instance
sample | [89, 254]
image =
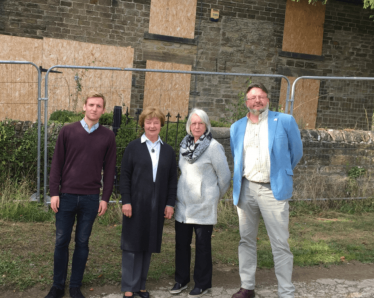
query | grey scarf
[190, 150]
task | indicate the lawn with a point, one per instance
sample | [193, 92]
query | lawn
[318, 235]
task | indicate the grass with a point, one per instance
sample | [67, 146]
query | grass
[320, 233]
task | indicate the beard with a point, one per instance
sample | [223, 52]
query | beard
[258, 112]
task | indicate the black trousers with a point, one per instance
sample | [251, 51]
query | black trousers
[203, 258]
[135, 266]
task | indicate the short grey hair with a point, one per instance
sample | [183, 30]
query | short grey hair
[203, 116]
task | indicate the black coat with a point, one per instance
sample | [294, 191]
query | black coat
[143, 231]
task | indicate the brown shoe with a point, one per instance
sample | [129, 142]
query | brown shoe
[244, 293]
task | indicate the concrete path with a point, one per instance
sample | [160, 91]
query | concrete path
[324, 288]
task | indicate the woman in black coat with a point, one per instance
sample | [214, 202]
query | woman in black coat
[148, 187]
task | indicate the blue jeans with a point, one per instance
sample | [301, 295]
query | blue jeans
[85, 208]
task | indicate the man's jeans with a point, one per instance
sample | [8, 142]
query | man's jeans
[85, 208]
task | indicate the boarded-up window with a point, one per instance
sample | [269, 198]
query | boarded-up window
[19, 83]
[168, 91]
[67, 89]
[173, 18]
[303, 27]
[306, 101]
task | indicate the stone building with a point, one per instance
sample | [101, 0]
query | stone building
[250, 36]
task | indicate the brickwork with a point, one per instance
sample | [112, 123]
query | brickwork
[247, 38]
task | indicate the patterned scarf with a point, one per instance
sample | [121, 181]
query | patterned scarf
[190, 150]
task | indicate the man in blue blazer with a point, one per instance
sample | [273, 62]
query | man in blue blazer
[266, 147]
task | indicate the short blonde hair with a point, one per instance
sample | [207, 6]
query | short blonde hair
[151, 112]
[94, 93]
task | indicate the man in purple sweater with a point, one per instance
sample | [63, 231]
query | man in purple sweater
[83, 150]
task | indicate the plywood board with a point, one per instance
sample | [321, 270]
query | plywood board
[303, 27]
[173, 18]
[306, 101]
[170, 92]
[69, 89]
[18, 83]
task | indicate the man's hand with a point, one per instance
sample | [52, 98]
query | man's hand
[102, 207]
[127, 210]
[169, 211]
[55, 203]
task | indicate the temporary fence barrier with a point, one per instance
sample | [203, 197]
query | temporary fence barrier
[37, 198]
[207, 93]
[333, 102]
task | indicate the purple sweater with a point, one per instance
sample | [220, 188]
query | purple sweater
[78, 160]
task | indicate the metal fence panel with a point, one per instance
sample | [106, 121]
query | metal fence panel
[14, 78]
[341, 102]
[166, 95]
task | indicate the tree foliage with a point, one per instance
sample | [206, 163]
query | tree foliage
[368, 4]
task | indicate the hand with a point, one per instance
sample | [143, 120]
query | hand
[127, 210]
[102, 207]
[169, 211]
[55, 203]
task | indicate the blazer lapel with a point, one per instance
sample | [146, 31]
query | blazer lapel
[240, 136]
[272, 127]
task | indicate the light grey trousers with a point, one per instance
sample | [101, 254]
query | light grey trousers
[256, 198]
[135, 266]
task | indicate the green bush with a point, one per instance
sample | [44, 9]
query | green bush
[65, 116]
[18, 156]
[175, 134]
[107, 119]
[127, 132]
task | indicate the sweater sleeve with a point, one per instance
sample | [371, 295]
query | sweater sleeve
[173, 181]
[109, 168]
[221, 167]
[126, 175]
[57, 165]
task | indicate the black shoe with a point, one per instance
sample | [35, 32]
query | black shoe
[142, 294]
[55, 293]
[197, 292]
[178, 288]
[76, 293]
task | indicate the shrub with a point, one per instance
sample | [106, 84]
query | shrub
[65, 116]
[175, 134]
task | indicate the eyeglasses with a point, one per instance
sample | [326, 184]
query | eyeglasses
[252, 98]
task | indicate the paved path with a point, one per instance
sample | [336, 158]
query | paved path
[321, 288]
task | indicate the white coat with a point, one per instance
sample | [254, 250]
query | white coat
[201, 185]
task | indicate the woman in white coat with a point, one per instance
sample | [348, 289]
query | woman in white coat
[205, 178]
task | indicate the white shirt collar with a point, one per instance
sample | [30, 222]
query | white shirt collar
[144, 139]
[261, 117]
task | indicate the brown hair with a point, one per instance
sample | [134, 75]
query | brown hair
[257, 85]
[151, 112]
[93, 93]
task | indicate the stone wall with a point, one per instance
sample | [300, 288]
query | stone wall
[248, 38]
[328, 157]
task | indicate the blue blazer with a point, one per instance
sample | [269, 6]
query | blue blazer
[285, 150]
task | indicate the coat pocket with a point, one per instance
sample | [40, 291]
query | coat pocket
[289, 172]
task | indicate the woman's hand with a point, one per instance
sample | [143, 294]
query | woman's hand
[127, 210]
[169, 211]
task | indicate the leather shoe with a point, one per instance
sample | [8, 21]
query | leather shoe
[178, 288]
[142, 294]
[197, 292]
[244, 293]
[55, 293]
[76, 293]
